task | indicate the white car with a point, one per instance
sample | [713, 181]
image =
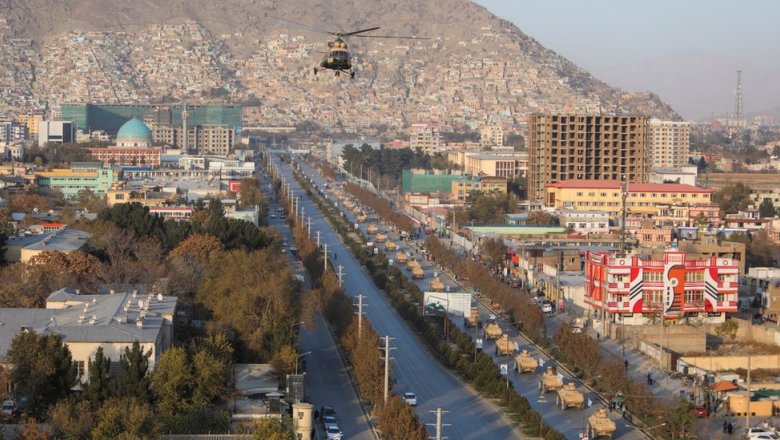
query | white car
[333, 433]
[410, 399]
[329, 422]
[764, 436]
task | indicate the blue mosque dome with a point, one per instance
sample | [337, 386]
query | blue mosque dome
[134, 130]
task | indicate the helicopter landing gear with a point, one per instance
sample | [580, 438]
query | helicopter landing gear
[315, 70]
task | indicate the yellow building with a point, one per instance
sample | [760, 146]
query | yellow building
[606, 195]
[33, 122]
[491, 136]
[508, 164]
[121, 192]
[462, 188]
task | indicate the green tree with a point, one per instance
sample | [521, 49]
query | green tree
[728, 328]
[249, 194]
[272, 429]
[124, 419]
[733, 198]
[98, 388]
[133, 381]
[767, 209]
[493, 252]
[42, 368]
[172, 383]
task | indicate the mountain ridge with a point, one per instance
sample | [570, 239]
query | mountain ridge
[475, 69]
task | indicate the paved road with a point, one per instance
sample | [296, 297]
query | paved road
[326, 380]
[570, 422]
[470, 416]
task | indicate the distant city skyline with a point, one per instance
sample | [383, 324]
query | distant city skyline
[687, 52]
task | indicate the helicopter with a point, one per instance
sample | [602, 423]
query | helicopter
[338, 58]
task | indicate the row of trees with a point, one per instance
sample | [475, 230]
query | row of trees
[396, 420]
[381, 207]
[389, 162]
[452, 347]
[482, 279]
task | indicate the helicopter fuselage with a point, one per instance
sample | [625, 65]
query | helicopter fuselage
[337, 57]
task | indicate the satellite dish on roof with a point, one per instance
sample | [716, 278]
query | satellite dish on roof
[159, 297]
[140, 304]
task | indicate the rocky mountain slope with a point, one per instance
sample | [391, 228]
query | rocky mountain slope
[473, 69]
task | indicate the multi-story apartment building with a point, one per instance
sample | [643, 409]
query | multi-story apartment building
[585, 147]
[491, 136]
[425, 137]
[13, 132]
[32, 121]
[668, 142]
[214, 140]
[607, 195]
[632, 290]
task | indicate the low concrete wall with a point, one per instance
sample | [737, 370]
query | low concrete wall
[731, 363]
[762, 334]
[678, 338]
[654, 352]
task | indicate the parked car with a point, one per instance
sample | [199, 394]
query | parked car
[700, 411]
[410, 399]
[333, 433]
[764, 436]
[329, 421]
[9, 408]
[327, 411]
[547, 307]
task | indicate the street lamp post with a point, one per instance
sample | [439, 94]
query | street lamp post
[298, 357]
[292, 326]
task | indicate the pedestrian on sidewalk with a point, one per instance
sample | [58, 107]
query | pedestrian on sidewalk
[730, 428]
[725, 426]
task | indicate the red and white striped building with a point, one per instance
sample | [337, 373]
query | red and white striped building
[634, 291]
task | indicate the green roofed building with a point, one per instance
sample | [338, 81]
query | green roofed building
[426, 182]
[110, 117]
[514, 231]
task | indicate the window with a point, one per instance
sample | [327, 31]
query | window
[694, 277]
[79, 369]
[652, 299]
[652, 277]
[120, 197]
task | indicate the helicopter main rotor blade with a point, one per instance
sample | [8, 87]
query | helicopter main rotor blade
[305, 26]
[358, 32]
[391, 36]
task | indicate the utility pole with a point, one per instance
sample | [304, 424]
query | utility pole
[439, 425]
[303, 212]
[387, 366]
[308, 227]
[341, 275]
[624, 196]
[360, 314]
[747, 413]
[318, 239]
[325, 267]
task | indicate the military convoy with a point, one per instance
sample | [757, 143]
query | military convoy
[493, 330]
[569, 397]
[372, 229]
[390, 246]
[401, 257]
[525, 363]
[600, 425]
[473, 319]
[361, 218]
[418, 272]
[550, 381]
[504, 346]
[436, 285]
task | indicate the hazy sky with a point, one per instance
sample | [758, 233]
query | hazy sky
[687, 51]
